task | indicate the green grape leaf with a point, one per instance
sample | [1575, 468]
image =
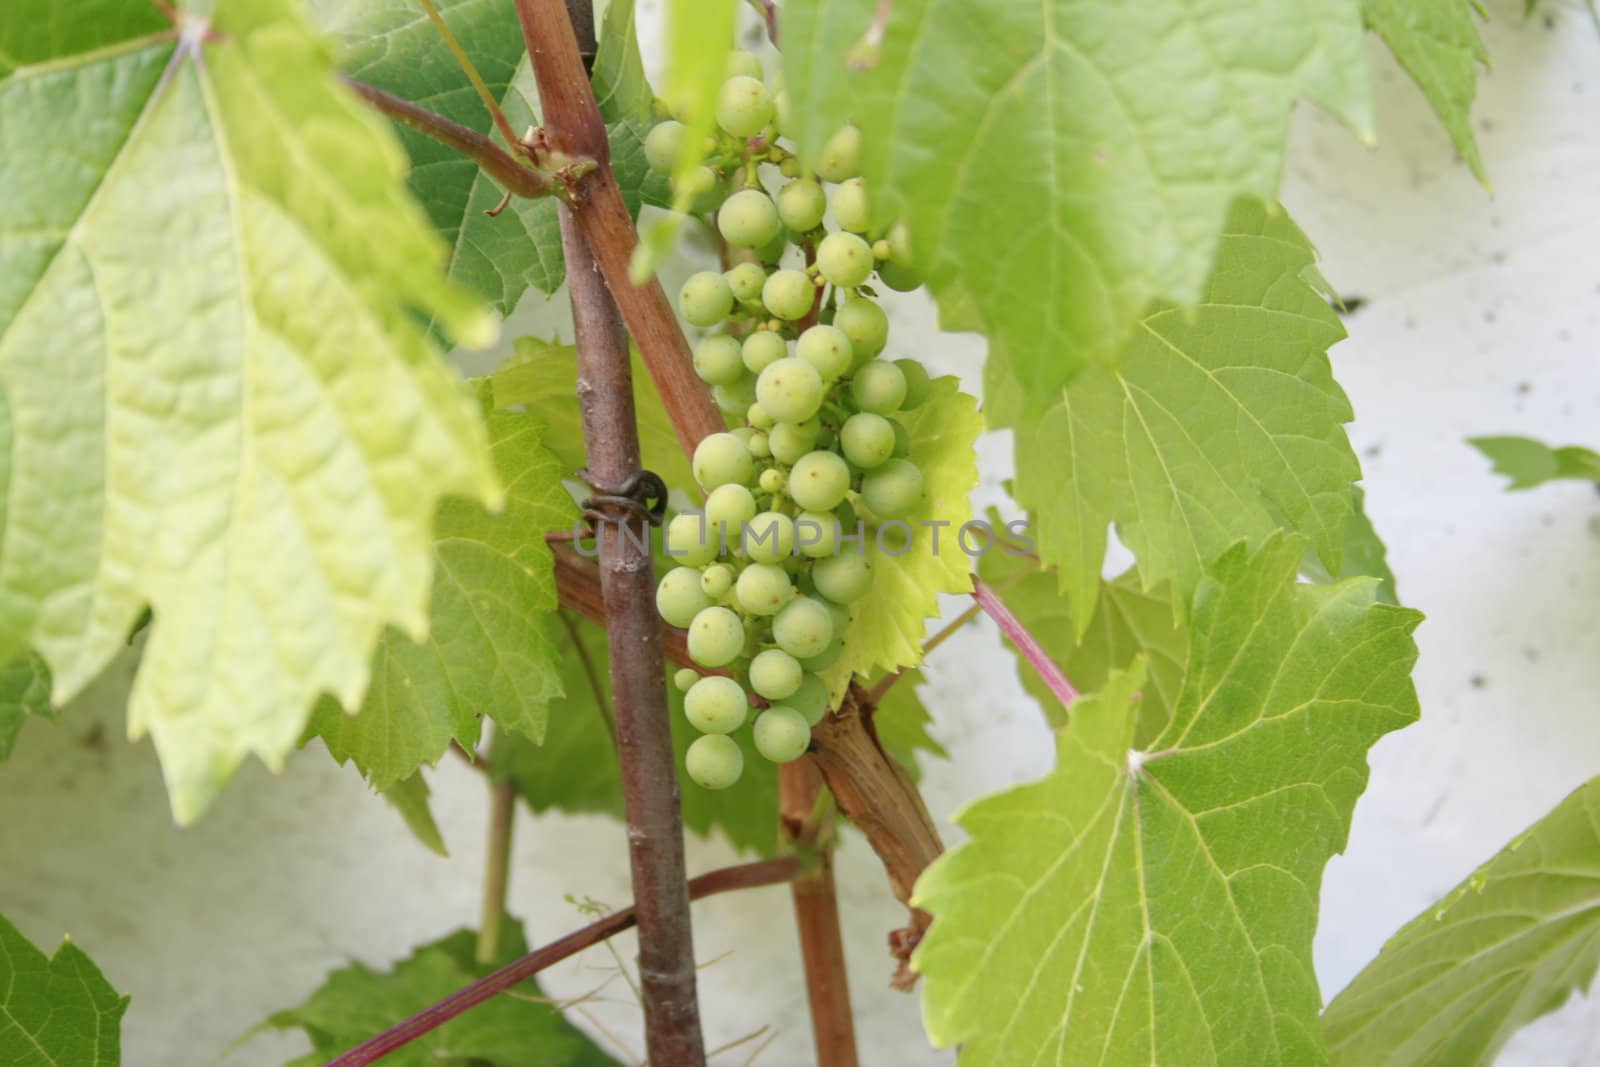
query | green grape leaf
[1220, 423]
[356, 1002]
[409, 797]
[487, 650]
[1437, 43]
[24, 691]
[218, 398]
[1506, 946]
[543, 377]
[1530, 463]
[1061, 165]
[1364, 554]
[56, 1011]
[901, 723]
[1157, 905]
[912, 560]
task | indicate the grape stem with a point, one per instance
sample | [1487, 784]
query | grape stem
[1025, 642]
[497, 868]
[724, 880]
[471, 71]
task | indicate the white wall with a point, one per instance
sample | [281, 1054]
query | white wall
[1484, 317]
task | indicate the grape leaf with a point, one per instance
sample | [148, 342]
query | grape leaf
[901, 724]
[1220, 423]
[58, 1011]
[1364, 554]
[218, 399]
[356, 1002]
[24, 691]
[1437, 43]
[1529, 463]
[1158, 905]
[1061, 165]
[487, 652]
[912, 560]
[1505, 946]
[409, 797]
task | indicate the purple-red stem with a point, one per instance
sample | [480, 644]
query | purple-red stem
[1026, 643]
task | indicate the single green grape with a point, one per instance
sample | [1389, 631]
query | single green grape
[826, 348]
[748, 219]
[757, 417]
[716, 581]
[788, 294]
[736, 396]
[769, 537]
[716, 705]
[810, 699]
[685, 678]
[679, 597]
[790, 390]
[742, 63]
[900, 279]
[900, 246]
[775, 674]
[763, 588]
[878, 387]
[816, 534]
[705, 298]
[762, 349]
[880, 249]
[744, 107]
[841, 156]
[850, 206]
[866, 440]
[689, 541]
[791, 440]
[728, 508]
[718, 359]
[918, 384]
[844, 259]
[819, 481]
[759, 447]
[801, 205]
[894, 489]
[771, 479]
[802, 629]
[782, 734]
[703, 188]
[746, 280]
[790, 167]
[843, 579]
[714, 761]
[782, 117]
[722, 459]
[864, 322]
[661, 146]
[716, 637]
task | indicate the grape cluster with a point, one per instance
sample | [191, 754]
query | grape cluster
[763, 583]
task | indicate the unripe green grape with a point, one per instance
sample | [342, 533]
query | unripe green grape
[918, 384]
[788, 294]
[771, 480]
[810, 699]
[744, 107]
[864, 322]
[844, 259]
[826, 348]
[775, 674]
[702, 187]
[722, 459]
[661, 145]
[902, 439]
[790, 167]
[705, 299]
[801, 205]
[714, 761]
[878, 387]
[866, 440]
[841, 156]
[748, 219]
[782, 734]
[850, 206]
[716, 705]
[769, 537]
[718, 359]
[782, 117]
[746, 280]
[894, 489]
[728, 508]
[742, 63]
[735, 397]
[743, 433]
[762, 349]
[816, 534]
[690, 541]
[685, 678]
[802, 629]
[759, 447]
[679, 597]
[790, 390]
[819, 481]
[716, 581]
[900, 245]
[880, 249]
[826, 658]
[843, 579]
[763, 588]
[757, 417]
[900, 279]
[790, 440]
[716, 637]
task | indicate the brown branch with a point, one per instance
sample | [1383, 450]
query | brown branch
[495, 161]
[724, 880]
[468, 68]
[806, 823]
